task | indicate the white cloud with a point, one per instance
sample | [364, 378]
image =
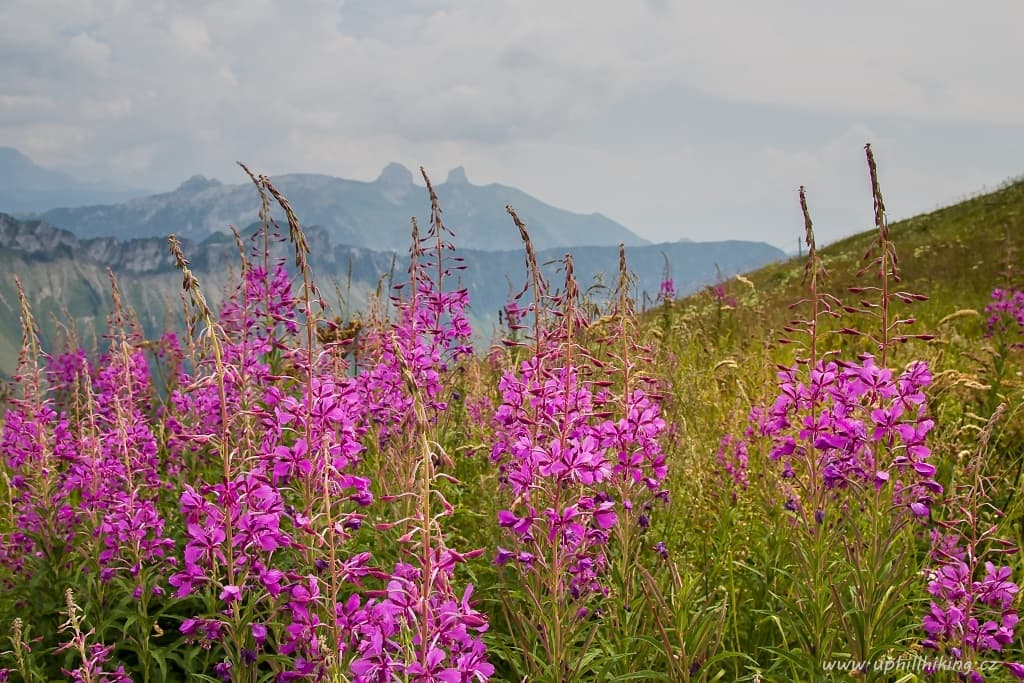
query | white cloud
[88, 51]
[531, 93]
[47, 143]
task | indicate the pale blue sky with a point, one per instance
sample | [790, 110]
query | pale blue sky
[680, 120]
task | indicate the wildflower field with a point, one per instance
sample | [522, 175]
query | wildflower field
[810, 473]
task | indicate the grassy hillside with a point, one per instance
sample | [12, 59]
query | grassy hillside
[956, 255]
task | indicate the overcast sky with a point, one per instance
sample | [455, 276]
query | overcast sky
[680, 120]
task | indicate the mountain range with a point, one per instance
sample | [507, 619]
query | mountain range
[66, 280]
[374, 215]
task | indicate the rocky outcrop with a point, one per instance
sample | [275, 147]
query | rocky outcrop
[35, 238]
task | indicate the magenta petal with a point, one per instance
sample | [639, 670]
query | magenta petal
[924, 469]
[605, 516]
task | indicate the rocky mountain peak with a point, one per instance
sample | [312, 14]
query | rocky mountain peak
[395, 174]
[198, 183]
[458, 176]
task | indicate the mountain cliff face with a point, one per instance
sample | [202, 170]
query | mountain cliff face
[34, 238]
[66, 278]
[39, 241]
[374, 215]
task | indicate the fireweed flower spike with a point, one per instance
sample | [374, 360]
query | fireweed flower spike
[568, 465]
[849, 437]
[667, 291]
[431, 335]
[245, 531]
[419, 627]
[848, 423]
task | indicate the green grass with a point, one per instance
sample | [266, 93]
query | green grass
[955, 255]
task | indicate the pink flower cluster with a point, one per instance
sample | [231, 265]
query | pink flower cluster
[561, 456]
[860, 423]
[722, 296]
[432, 333]
[242, 533]
[667, 290]
[734, 459]
[1006, 307]
[969, 617]
[454, 653]
[548, 445]
[260, 438]
[96, 474]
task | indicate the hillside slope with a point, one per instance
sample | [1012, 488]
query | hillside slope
[956, 256]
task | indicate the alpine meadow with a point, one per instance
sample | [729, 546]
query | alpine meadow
[810, 472]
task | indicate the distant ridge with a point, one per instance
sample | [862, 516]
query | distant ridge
[26, 187]
[374, 214]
